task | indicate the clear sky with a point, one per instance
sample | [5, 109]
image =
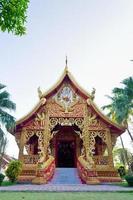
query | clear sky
[97, 37]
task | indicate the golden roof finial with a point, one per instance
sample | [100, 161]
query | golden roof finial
[66, 67]
[39, 93]
[93, 94]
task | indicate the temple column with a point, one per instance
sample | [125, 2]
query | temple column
[21, 144]
[109, 146]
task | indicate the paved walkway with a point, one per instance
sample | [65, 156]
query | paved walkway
[66, 188]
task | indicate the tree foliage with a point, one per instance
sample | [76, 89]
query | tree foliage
[13, 14]
[6, 105]
[6, 120]
[121, 156]
[3, 143]
[121, 107]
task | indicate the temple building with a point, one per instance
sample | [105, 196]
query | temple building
[67, 130]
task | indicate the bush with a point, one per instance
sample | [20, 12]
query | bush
[129, 179]
[121, 170]
[1, 178]
[13, 170]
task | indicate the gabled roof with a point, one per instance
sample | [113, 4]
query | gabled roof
[67, 75]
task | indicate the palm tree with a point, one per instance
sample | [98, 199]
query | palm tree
[3, 142]
[121, 107]
[6, 120]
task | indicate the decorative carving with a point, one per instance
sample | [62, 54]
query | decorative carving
[67, 109]
[30, 159]
[92, 135]
[85, 137]
[66, 97]
[57, 111]
[40, 119]
[101, 160]
[66, 122]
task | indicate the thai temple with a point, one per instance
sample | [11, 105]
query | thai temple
[67, 133]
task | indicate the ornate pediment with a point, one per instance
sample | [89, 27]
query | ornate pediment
[66, 97]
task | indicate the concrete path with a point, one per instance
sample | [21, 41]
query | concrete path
[66, 188]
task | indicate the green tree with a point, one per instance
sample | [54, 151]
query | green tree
[121, 107]
[13, 14]
[3, 142]
[6, 119]
[119, 156]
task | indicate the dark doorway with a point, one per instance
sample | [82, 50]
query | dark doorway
[65, 154]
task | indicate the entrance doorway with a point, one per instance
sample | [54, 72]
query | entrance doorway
[66, 154]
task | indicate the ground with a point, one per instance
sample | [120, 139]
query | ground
[66, 196]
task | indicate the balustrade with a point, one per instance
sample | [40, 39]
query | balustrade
[30, 159]
[101, 160]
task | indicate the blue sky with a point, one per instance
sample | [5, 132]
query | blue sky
[97, 37]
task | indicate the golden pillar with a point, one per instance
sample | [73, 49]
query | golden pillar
[21, 144]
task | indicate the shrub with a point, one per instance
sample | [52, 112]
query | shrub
[121, 170]
[129, 179]
[1, 178]
[13, 170]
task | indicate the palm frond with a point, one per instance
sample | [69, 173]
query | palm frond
[1, 134]
[7, 104]
[2, 86]
[128, 82]
[106, 107]
[117, 91]
[7, 119]
[4, 95]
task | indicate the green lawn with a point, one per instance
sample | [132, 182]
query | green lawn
[66, 196]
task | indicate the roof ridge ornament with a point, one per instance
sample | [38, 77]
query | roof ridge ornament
[66, 67]
[93, 94]
[40, 94]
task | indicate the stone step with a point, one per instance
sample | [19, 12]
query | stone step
[25, 179]
[65, 176]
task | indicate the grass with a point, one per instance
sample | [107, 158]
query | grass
[66, 195]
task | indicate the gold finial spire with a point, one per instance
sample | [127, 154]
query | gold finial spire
[93, 94]
[39, 93]
[66, 61]
[66, 67]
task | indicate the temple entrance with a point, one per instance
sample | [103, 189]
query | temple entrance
[65, 146]
[66, 154]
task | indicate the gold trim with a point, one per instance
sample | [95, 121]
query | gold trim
[66, 72]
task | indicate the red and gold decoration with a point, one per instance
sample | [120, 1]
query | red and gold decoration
[67, 117]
